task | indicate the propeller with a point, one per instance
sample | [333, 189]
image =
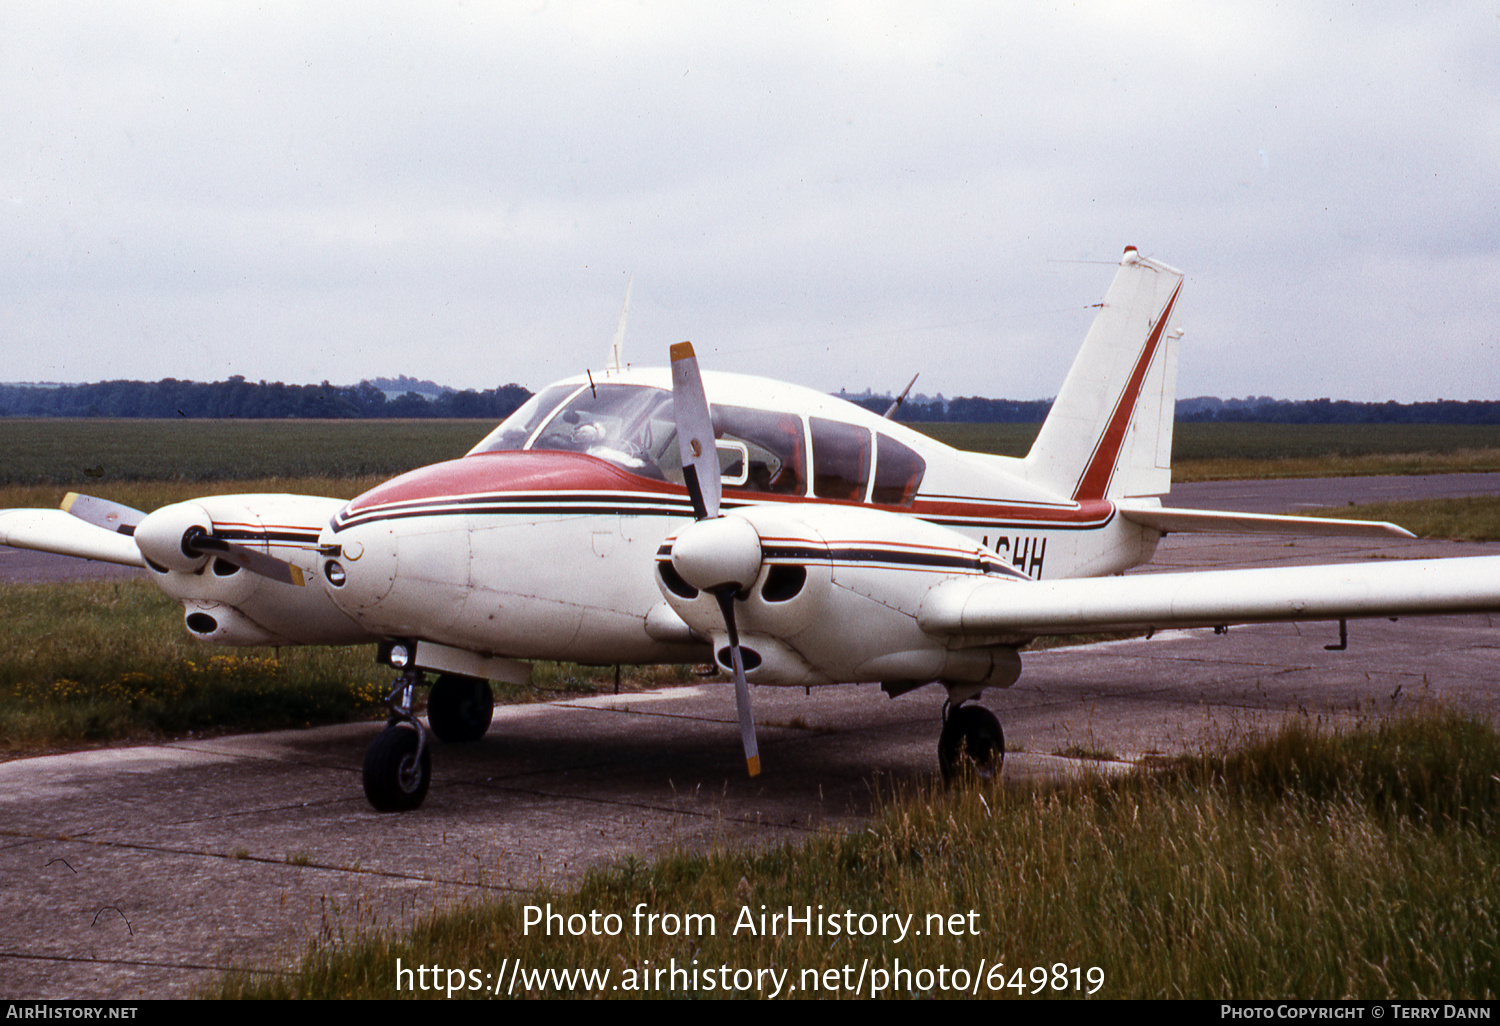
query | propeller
[179, 537]
[720, 555]
[111, 516]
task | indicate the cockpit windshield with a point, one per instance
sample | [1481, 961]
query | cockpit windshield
[760, 451]
[633, 426]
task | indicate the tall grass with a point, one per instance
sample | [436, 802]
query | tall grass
[99, 661]
[1310, 865]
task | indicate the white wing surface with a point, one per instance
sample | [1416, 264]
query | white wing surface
[53, 530]
[992, 608]
[1168, 520]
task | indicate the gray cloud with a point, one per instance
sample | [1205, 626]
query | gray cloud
[840, 194]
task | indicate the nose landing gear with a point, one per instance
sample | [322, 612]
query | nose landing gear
[398, 764]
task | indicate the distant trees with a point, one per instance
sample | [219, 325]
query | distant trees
[237, 397]
[249, 400]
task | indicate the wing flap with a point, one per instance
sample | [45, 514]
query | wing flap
[988, 608]
[54, 530]
[1167, 520]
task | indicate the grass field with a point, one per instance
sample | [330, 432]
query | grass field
[1475, 518]
[85, 454]
[1312, 864]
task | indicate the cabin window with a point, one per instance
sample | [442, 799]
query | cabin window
[898, 472]
[773, 447]
[521, 425]
[841, 459]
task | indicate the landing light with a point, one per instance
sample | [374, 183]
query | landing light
[334, 571]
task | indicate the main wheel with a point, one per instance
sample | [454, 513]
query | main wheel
[460, 708]
[396, 780]
[972, 741]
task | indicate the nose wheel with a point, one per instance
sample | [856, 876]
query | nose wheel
[971, 743]
[398, 763]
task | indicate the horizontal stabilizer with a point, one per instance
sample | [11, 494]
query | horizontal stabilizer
[986, 608]
[1187, 520]
[54, 530]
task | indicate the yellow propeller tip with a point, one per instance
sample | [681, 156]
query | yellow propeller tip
[682, 351]
[754, 765]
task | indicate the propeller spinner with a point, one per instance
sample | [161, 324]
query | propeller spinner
[717, 554]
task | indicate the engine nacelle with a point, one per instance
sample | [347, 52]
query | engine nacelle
[837, 596]
[226, 605]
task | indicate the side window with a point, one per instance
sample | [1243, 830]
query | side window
[898, 472]
[841, 459]
[773, 459]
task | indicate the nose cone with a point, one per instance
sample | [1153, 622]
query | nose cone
[160, 536]
[710, 554]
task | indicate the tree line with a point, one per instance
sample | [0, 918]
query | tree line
[237, 397]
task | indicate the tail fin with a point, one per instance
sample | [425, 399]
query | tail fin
[1109, 433]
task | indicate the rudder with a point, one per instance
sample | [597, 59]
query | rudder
[1109, 432]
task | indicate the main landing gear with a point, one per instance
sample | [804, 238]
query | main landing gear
[398, 763]
[971, 742]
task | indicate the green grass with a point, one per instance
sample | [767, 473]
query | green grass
[90, 452]
[1310, 865]
[1475, 518]
[90, 662]
[92, 455]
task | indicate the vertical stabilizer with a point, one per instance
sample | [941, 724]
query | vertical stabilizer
[1109, 433]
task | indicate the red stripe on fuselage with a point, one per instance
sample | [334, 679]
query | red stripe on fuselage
[570, 475]
[1101, 468]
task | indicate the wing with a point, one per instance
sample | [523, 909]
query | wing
[989, 608]
[1167, 520]
[54, 530]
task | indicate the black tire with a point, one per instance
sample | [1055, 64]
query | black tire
[460, 708]
[395, 779]
[971, 742]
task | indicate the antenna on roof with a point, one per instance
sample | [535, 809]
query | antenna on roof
[617, 346]
[891, 411]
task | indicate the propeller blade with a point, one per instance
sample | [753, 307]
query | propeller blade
[245, 558]
[695, 433]
[111, 516]
[741, 686]
[700, 470]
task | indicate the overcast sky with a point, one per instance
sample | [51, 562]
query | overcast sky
[835, 194]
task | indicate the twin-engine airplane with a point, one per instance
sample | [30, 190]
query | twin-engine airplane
[655, 516]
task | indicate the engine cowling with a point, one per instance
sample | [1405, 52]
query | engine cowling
[834, 596]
